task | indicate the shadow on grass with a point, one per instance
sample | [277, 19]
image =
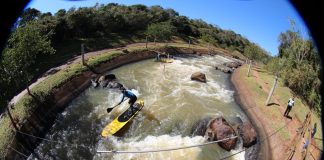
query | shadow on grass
[289, 117]
[259, 70]
[271, 104]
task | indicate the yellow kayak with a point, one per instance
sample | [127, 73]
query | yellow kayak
[122, 119]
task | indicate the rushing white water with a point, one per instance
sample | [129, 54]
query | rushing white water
[173, 104]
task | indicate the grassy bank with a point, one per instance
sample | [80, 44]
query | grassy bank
[282, 94]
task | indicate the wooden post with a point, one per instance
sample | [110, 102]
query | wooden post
[248, 73]
[28, 90]
[82, 54]
[272, 90]
[11, 119]
[146, 42]
[189, 43]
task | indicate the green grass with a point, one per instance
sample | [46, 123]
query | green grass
[300, 110]
[260, 96]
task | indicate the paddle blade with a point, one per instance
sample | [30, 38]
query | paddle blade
[109, 109]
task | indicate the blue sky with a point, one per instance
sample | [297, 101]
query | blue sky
[261, 21]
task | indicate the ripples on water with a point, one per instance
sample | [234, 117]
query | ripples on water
[169, 95]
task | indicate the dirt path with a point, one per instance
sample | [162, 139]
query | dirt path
[243, 97]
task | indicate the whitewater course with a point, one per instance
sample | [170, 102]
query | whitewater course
[174, 107]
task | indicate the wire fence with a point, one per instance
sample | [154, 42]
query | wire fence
[148, 151]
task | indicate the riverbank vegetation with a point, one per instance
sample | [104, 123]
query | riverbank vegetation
[299, 65]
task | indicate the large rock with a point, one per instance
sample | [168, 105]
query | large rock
[224, 69]
[233, 65]
[114, 84]
[94, 80]
[248, 134]
[198, 76]
[110, 77]
[105, 79]
[219, 129]
[200, 127]
[102, 81]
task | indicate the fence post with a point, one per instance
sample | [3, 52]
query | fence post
[82, 54]
[11, 119]
[272, 90]
[248, 73]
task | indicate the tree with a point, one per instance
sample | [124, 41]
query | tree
[28, 15]
[158, 14]
[301, 68]
[182, 25]
[21, 52]
[250, 51]
[81, 23]
[161, 31]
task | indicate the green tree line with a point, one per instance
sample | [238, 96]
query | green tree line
[299, 65]
[38, 36]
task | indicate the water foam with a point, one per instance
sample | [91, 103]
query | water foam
[159, 142]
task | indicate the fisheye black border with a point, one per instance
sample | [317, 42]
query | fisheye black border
[311, 11]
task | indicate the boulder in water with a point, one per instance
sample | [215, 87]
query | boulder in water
[248, 134]
[233, 65]
[105, 79]
[224, 69]
[102, 81]
[219, 129]
[94, 80]
[198, 76]
[114, 84]
[110, 77]
[199, 128]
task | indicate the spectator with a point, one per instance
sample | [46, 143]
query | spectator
[289, 106]
[314, 130]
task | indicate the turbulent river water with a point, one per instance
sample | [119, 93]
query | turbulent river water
[170, 97]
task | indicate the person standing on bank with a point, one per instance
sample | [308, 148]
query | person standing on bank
[290, 104]
[127, 93]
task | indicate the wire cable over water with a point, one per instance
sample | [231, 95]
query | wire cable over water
[18, 152]
[159, 150]
[169, 149]
[144, 151]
